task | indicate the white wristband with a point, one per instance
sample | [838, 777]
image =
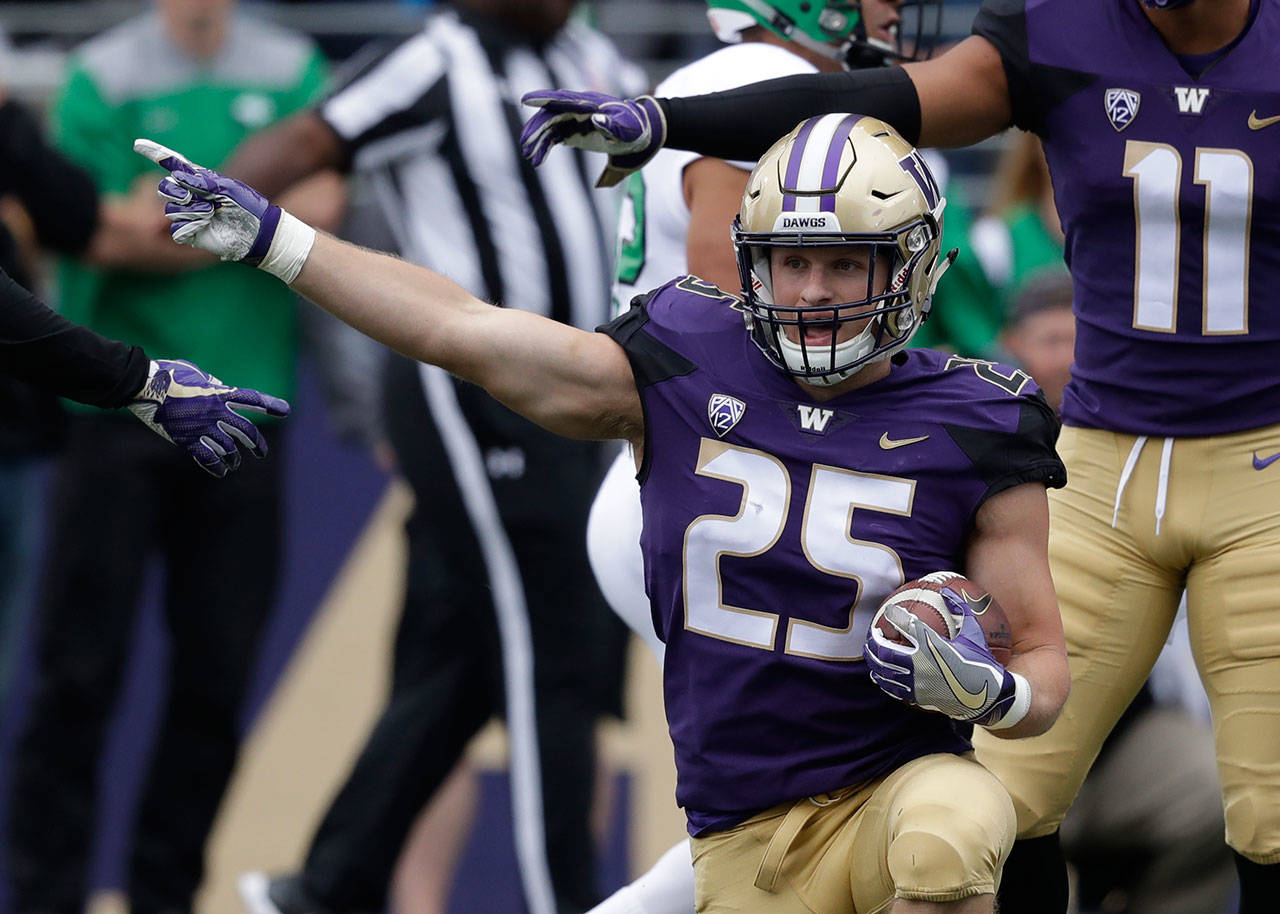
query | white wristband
[1021, 704]
[289, 248]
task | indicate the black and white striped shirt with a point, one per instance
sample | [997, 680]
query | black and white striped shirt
[435, 124]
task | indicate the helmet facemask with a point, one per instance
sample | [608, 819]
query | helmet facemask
[838, 181]
[914, 37]
[886, 304]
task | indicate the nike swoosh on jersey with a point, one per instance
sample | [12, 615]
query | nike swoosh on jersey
[1263, 464]
[888, 444]
[1257, 123]
[971, 700]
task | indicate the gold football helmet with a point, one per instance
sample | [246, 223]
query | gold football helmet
[842, 179]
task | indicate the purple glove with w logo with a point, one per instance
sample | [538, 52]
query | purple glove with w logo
[630, 130]
[193, 410]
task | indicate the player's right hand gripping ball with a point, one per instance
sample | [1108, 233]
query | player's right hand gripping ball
[933, 644]
[630, 130]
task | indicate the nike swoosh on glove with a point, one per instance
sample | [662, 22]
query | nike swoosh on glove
[194, 410]
[630, 130]
[957, 677]
[226, 217]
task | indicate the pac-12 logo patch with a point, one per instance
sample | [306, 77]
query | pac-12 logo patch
[1122, 107]
[724, 412]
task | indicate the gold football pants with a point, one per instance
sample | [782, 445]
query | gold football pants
[937, 829]
[1138, 521]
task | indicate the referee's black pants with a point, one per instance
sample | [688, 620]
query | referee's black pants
[121, 494]
[447, 678]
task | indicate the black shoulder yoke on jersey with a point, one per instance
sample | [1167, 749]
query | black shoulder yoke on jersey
[651, 361]
[1007, 459]
[743, 123]
[1034, 89]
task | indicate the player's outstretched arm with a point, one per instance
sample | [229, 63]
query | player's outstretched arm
[571, 382]
[921, 100]
[1008, 555]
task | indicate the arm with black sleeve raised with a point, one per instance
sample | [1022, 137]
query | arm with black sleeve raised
[956, 99]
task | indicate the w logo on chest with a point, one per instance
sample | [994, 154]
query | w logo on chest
[1190, 99]
[814, 419]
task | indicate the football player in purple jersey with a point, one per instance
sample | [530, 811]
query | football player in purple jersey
[797, 464]
[1157, 118]
[672, 222]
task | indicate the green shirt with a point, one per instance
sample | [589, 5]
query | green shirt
[963, 318]
[971, 306]
[237, 323]
[1033, 248]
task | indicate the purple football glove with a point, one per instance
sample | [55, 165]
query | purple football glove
[957, 677]
[194, 193]
[193, 409]
[227, 217]
[630, 130]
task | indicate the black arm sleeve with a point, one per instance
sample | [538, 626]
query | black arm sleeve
[743, 123]
[59, 195]
[46, 350]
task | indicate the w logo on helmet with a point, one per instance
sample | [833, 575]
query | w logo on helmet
[1122, 107]
[915, 166]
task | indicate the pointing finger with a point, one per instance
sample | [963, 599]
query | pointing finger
[162, 155]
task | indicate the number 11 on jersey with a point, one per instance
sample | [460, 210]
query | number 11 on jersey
[1227, 177]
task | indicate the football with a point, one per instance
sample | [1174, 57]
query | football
[938, 599]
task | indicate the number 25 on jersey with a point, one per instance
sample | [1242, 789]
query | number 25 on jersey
[835, 497]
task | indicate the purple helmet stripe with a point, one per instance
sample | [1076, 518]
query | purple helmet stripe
[793, 162]
[831, 168]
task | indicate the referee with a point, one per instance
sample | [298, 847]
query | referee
[501, 610]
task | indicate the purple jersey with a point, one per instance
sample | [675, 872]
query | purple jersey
[1168, 185]
[774, 525]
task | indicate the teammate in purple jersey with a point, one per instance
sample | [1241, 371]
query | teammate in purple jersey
[1157, 121]
[797, 465]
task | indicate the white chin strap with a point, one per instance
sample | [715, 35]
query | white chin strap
[820, 357]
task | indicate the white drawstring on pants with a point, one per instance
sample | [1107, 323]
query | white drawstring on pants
[1162, 485]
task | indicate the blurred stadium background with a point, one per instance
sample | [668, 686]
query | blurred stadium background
[658, 34]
